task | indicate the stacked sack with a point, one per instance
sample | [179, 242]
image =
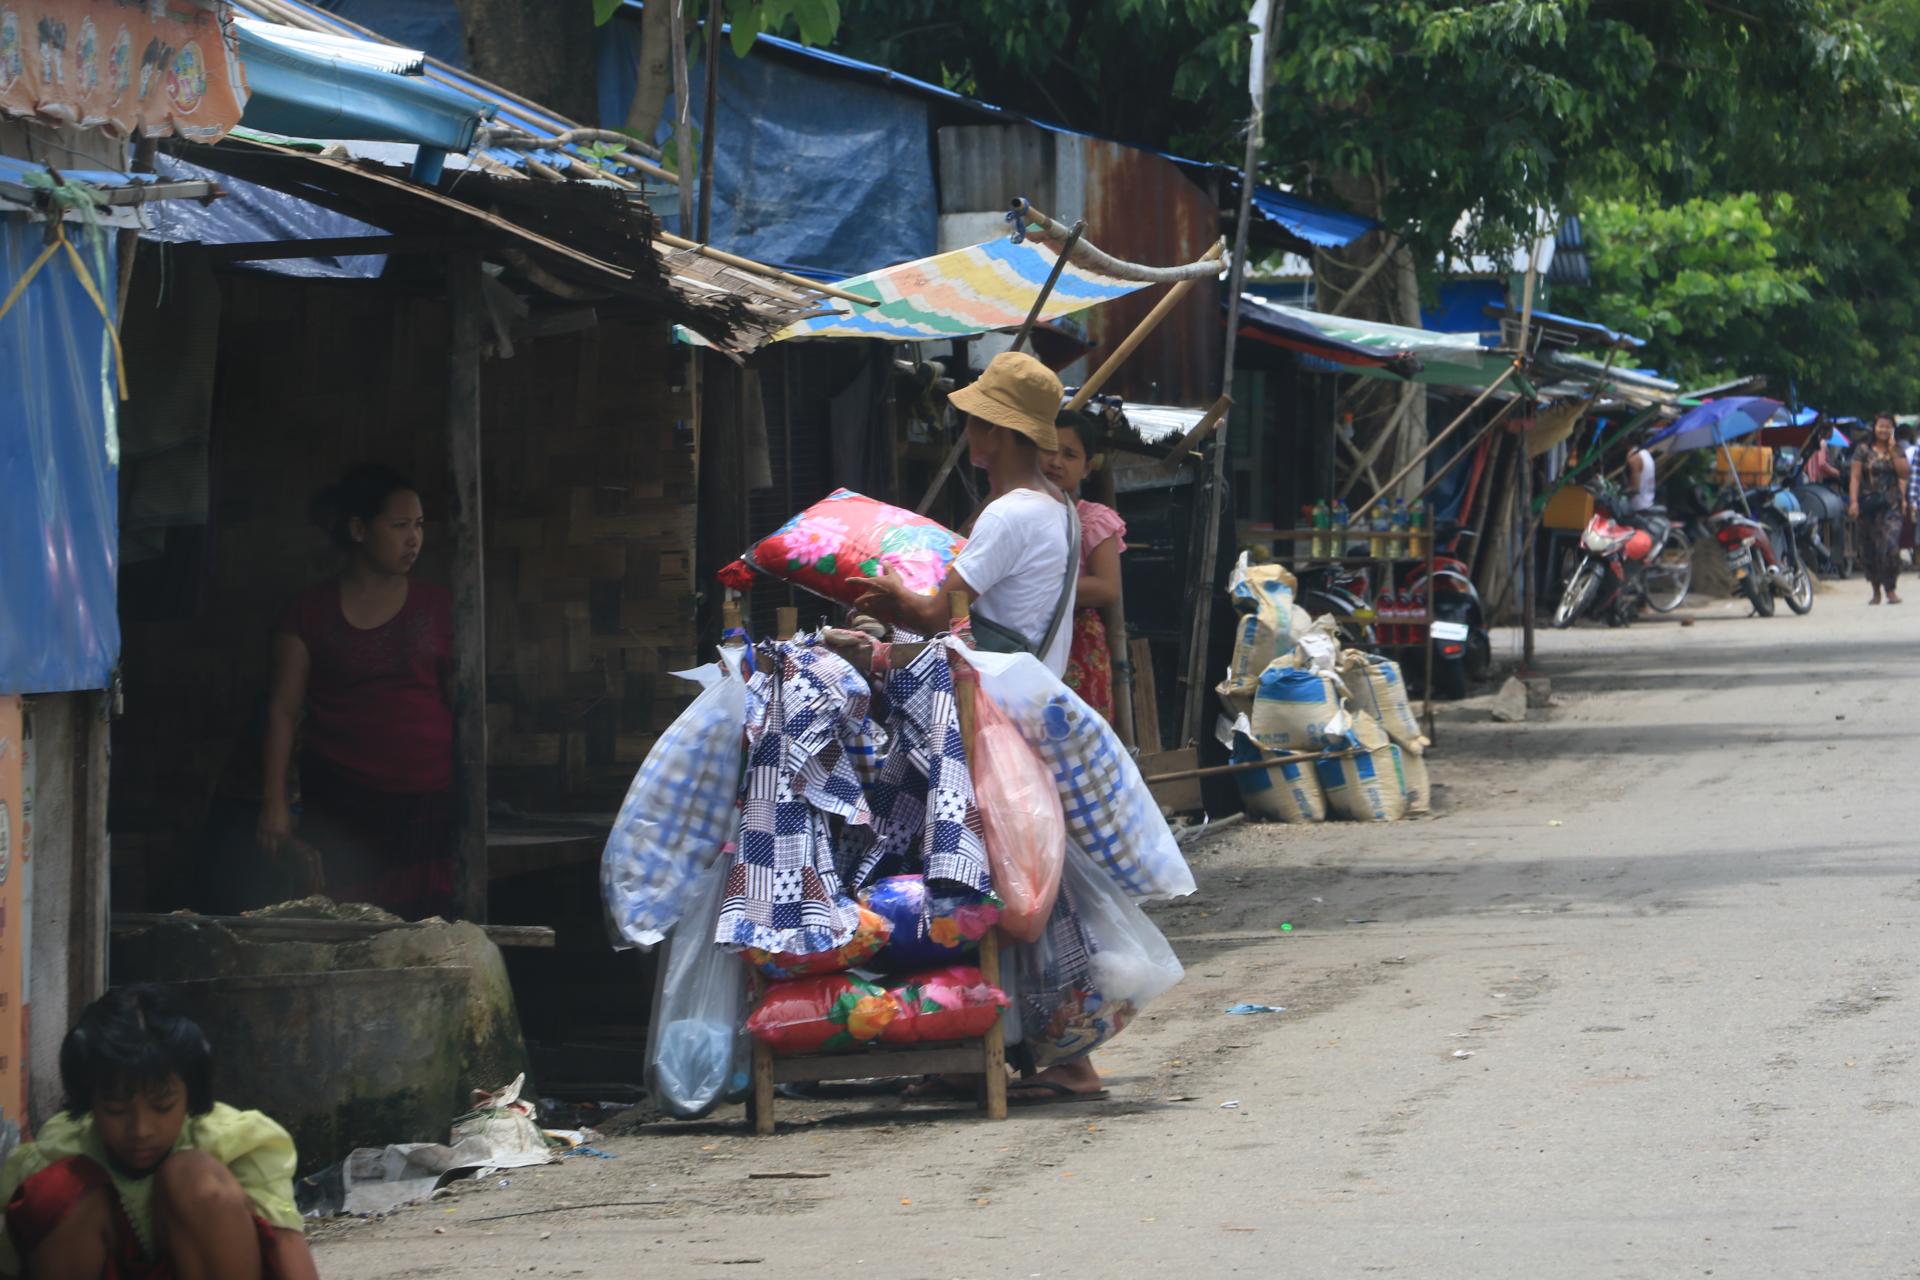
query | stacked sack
[1319, 698]
[1378, 688]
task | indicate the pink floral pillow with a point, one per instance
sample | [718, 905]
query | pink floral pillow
[847, 535]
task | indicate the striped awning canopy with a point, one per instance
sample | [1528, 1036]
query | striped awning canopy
[961, 293]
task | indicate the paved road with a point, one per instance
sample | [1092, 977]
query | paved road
[1641, 1004]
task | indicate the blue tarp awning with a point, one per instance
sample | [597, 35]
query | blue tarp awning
[1314, 223]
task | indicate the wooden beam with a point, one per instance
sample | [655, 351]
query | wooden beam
[464, 307]
[327, 247]
[308, 929]
[88, 878]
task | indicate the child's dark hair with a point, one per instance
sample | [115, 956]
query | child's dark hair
[360, 494]
[131, 1040]
[1091, 429]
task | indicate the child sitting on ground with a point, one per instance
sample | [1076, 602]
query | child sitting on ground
[144, 1175]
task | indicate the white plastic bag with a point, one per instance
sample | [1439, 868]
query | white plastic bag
[1067, 1010]
[679, 810]
[697, 1048]
[1111, 816]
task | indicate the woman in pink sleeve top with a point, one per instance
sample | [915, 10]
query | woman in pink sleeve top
[1102, 539]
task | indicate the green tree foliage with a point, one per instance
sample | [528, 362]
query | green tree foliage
[1700, 280]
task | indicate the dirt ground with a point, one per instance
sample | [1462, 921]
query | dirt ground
[1637, 1003]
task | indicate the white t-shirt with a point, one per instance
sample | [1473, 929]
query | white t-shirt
[1016, 559]
[1643, 495]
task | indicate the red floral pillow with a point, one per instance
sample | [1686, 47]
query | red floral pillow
[847, 535]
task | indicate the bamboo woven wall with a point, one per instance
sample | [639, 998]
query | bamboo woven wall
[589, 508]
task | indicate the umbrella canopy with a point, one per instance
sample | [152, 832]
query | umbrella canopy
[1715, 423]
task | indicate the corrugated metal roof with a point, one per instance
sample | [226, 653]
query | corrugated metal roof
[315, 85]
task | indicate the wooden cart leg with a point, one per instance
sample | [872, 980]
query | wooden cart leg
[760, 1107]
[994, 1042]
[760, 1102]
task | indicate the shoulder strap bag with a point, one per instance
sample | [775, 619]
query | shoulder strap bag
[992, 637]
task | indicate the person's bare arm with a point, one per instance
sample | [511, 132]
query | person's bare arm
[1853, 489]
[888, 599]
[295, 1259]
[286, 697]
[1100, 584]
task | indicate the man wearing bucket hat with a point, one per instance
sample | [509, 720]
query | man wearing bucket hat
[1020, 564]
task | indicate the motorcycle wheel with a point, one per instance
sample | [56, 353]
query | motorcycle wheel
[1799, 591]
[1758, 587]
[1478, 662]
[1581, 588]
[1669, 575]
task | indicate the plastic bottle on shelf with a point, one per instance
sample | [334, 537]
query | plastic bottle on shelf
[1417, 524]
[1418, 631]
[1397, 546]
[1322, 522]
[1339, 527]
[1378, 531]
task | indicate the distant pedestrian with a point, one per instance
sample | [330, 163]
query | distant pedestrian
[1877, 493]
[1642, 476]
[1904, 436]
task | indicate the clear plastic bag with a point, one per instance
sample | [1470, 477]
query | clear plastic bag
[1099, 963]
[697, 1049]
[679, 811]
[1025, 827]
[1111, 816]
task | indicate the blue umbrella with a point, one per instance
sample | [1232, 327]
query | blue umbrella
[1715, 423]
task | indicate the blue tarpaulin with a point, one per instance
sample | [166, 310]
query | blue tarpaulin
[59, 629]
[248, 214]
[810, 171]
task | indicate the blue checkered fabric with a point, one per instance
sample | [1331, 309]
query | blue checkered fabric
[1111, 816]
[677, 814]
[922, 794]
[784, 892]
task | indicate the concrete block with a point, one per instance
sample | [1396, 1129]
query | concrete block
[1539, 691]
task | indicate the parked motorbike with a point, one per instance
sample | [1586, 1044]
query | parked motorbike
[1462, 648]
[1764, 557]
[1626, 559]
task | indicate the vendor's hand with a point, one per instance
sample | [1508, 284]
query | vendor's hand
[1853, 509]
[854, 646]
[879, 593]
[275, 827]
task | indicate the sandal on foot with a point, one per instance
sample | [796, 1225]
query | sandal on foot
[1045, 1093]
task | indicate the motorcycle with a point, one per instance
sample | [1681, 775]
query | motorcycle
[1764, 556]
[1626, 559]
[1462, 647]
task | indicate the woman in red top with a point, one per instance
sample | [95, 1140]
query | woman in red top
[366, 657]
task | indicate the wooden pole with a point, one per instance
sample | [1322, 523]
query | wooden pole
[708, 129]
[1201, 631]
[1499, 416]
[465, 309]
[1114, 618]
[1527, 522]
[994, 1042]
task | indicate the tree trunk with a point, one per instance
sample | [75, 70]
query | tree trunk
[540, 51]
[656, 72]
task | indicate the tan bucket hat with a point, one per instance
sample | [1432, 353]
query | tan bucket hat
[1017, 392]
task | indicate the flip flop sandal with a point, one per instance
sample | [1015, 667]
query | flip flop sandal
[1049, 1093]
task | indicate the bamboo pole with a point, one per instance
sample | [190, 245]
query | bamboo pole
[1131, 343]
[1499, 415]
[1092, 257]
[759, 268]
[1433, 444]
[1247, 766]
[708, 131]
[1525, 473]
[682, 120]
